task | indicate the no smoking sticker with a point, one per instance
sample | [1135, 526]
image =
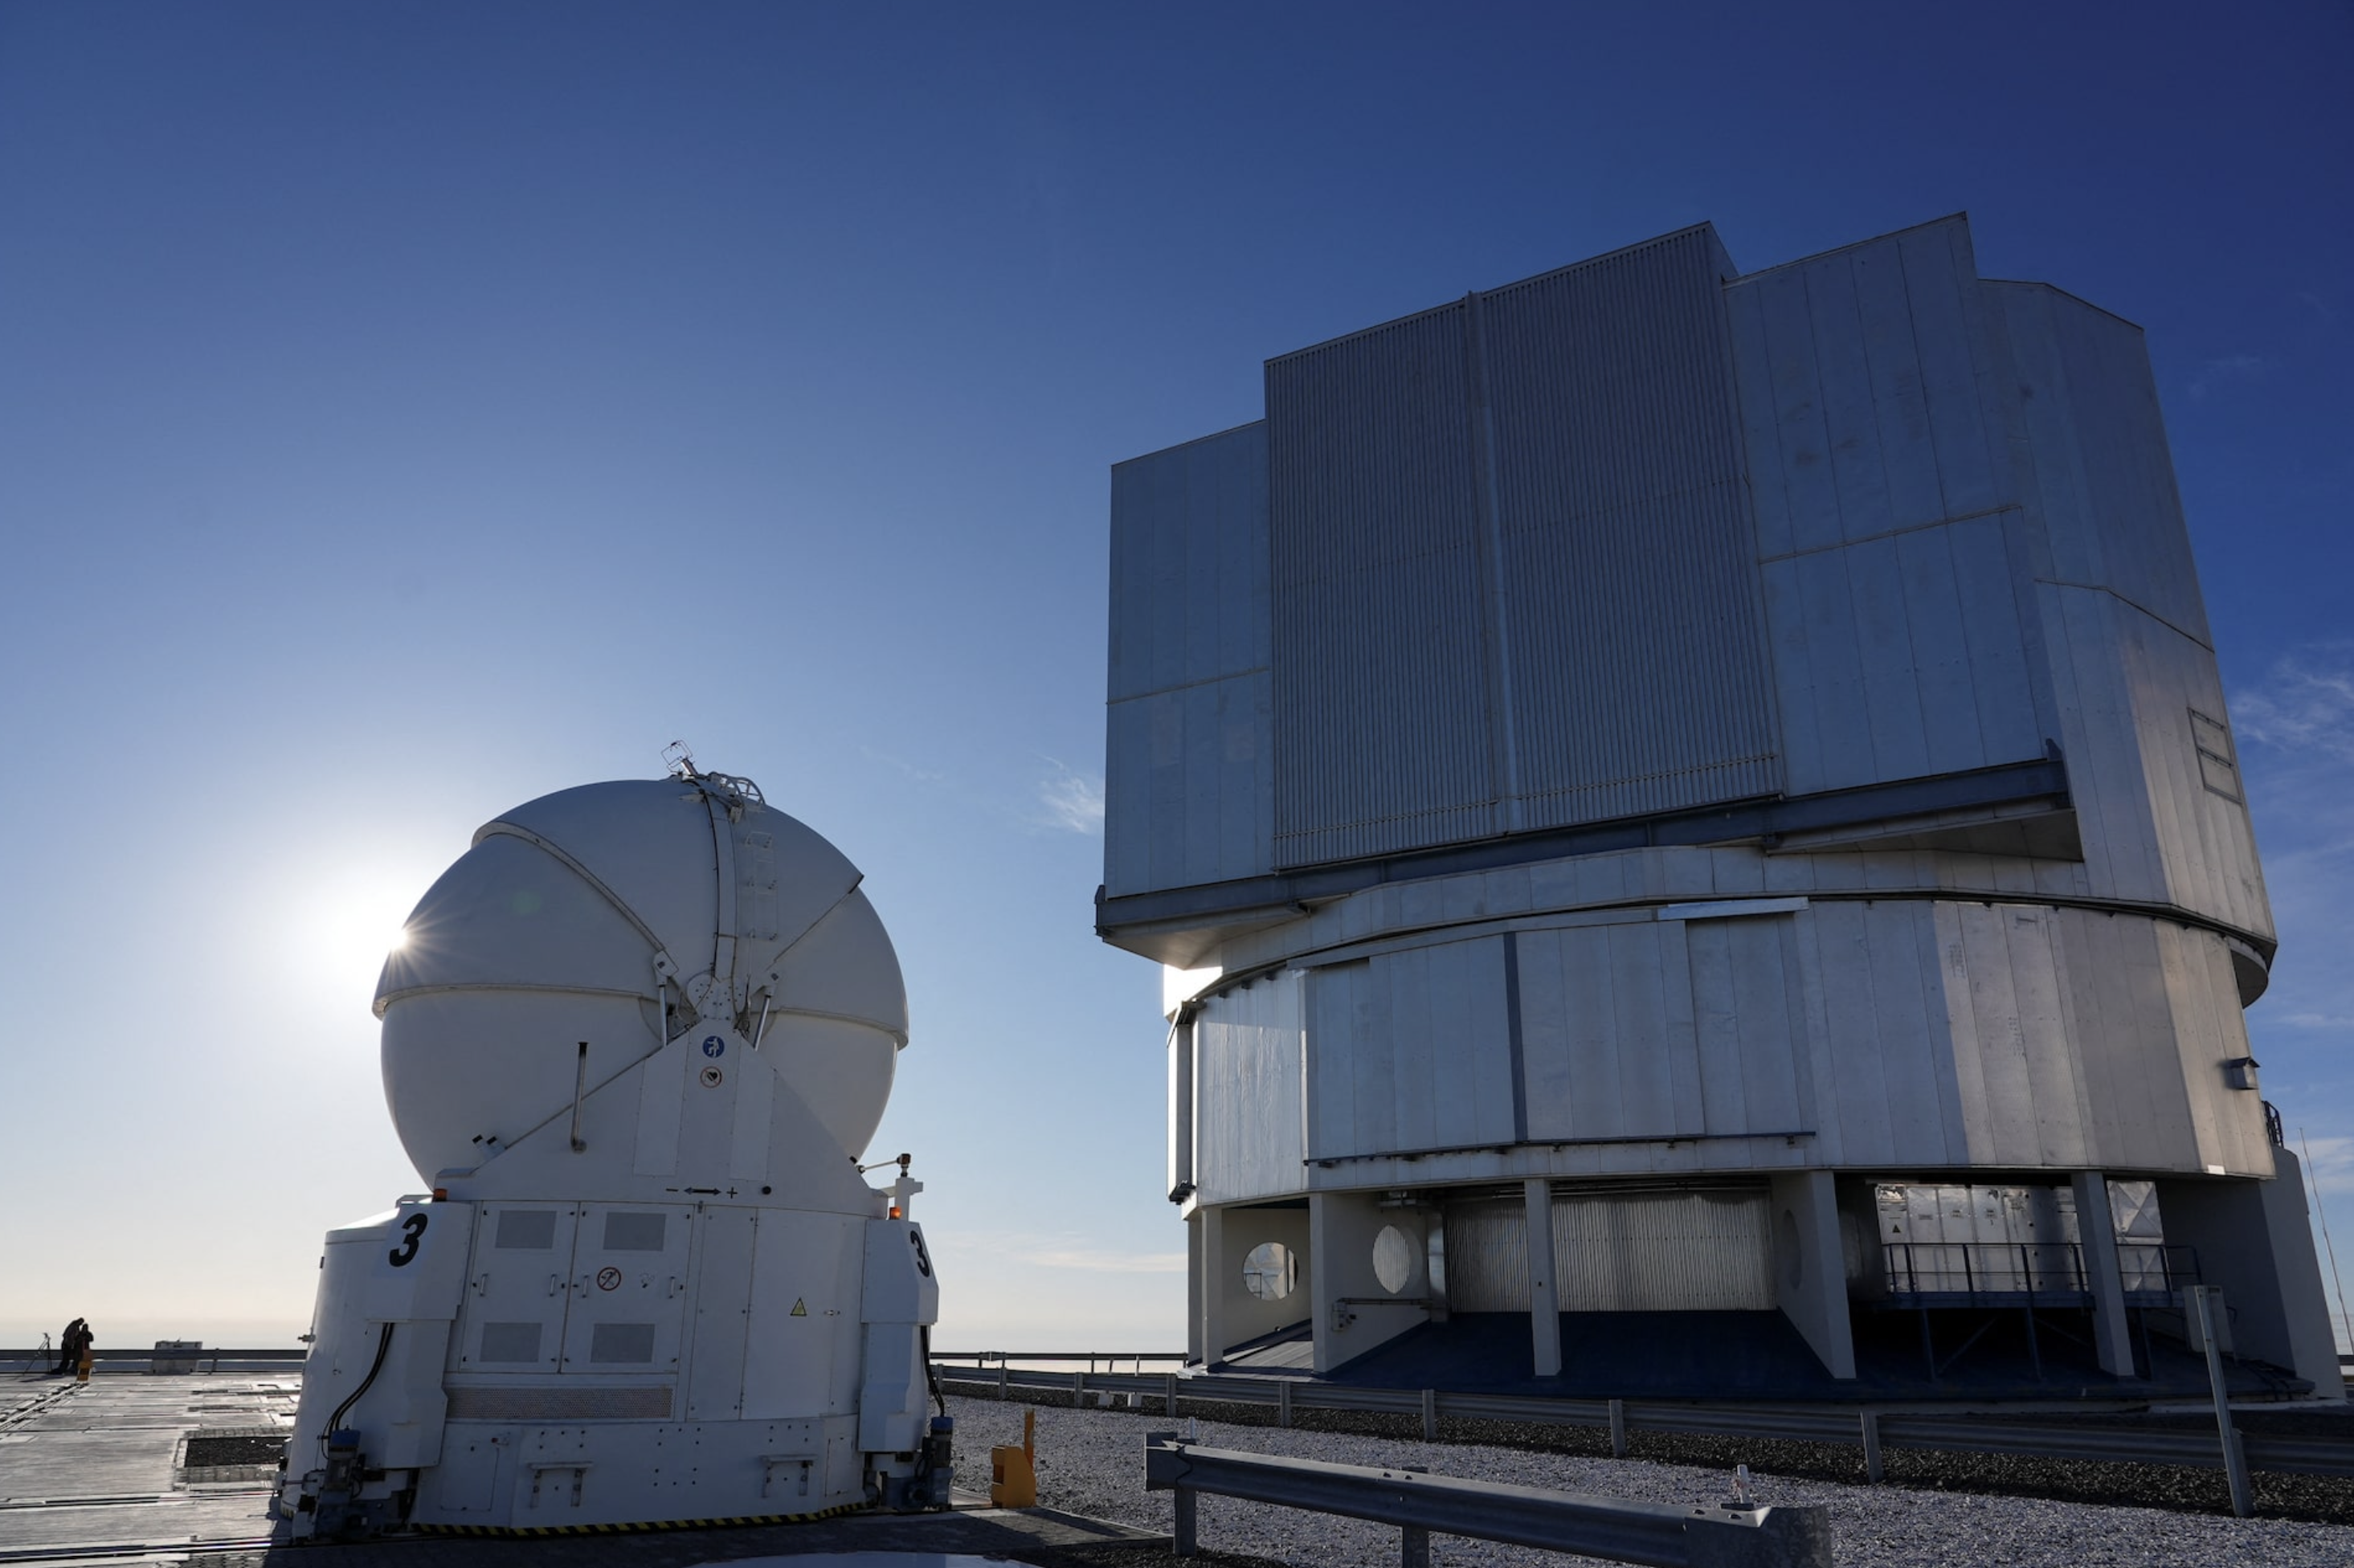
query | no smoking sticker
[609, 1279]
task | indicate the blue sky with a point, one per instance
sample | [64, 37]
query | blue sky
[408, 411]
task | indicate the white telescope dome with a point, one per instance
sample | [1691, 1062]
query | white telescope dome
[623, 915]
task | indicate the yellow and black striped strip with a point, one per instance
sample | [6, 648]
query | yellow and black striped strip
[633, 1529]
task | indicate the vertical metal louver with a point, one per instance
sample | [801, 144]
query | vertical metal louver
[1708, 1249]
[1514, 571]
[1636, 676]
[1380, 700]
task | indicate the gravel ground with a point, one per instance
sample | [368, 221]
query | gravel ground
[207, 1451]
[1091, 1462]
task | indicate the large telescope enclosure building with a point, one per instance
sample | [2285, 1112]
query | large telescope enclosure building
[1665, 792]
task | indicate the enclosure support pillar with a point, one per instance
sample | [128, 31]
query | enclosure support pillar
[2096, 1234]
[1213, 1281]
[1810, 1267]
[1545, 1299]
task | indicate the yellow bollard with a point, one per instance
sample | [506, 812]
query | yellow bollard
[1013, 1472]
[81, 1369]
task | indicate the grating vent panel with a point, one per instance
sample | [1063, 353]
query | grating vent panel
[512, 1343]
[628, 1231]
[640, 1402]
[621, 1344]
[532, 1230]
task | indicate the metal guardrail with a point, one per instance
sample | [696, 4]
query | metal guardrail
[1872, 1430]
[1730, 1535]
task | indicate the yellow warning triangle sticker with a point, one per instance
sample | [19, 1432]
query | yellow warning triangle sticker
[800, 1308]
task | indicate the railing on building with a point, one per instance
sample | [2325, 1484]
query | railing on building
[2030, 1274]
[1986, 1274]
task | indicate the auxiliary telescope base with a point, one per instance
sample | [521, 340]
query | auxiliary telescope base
[112, 1454]
[970, 1528]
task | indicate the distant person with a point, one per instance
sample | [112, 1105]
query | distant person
[76, 1340]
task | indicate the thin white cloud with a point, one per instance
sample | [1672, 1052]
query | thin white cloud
[2305, 704]
[2330, 1169]
[2295, 728]
[1062, 1251]
[2227, 368]
[2331, 1156]
[904, 769]
[1073, 802]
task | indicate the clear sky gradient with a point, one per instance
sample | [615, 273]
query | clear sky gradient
[410, 409]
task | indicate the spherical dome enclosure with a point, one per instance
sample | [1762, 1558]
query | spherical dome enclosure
[622, 915]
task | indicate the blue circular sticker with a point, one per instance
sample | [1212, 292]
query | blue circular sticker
[713, 1045]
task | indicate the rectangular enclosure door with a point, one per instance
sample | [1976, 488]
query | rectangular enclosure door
[629, 1289]
[517, 1284]
[723, 1307]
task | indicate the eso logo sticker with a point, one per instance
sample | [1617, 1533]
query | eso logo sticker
[713, 1045]
[609, 1279]
[711, 1076]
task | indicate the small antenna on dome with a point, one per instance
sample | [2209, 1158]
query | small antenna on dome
[679, 760]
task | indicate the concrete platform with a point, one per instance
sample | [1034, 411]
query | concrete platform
[96, 1473]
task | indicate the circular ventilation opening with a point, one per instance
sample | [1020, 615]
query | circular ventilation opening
[1270, 1272]
[1392, 1259]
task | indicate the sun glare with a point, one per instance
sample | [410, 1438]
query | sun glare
[348, 923]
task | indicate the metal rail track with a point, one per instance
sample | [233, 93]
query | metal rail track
[16, 1416]
[181, 1549]
[1873, 1431]
[214, 1360]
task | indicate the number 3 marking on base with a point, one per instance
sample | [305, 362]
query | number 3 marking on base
[406, 1253]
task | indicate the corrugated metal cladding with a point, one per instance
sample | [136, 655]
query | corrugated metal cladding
[1690, 1251]
[2079, 1038]
[1410, 1050]
[1637, 680]
[1895, 557]
[1668, 1029]
[1382, 698]
[2156, 829]
[1246, 1048]
[1189, 562]
[2099, 464]
[1512, 564]
[1888, 1031]
[1189, 773]
[2141, 702]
